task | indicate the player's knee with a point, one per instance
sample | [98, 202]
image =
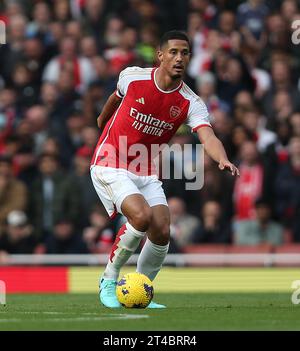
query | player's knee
[165, 234]
[142, 219]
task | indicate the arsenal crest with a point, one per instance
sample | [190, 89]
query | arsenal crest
[175, 111]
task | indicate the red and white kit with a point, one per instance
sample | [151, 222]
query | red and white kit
[147, 116]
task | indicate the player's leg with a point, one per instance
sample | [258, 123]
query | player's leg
[118, 193]
[135, 208]
[138, 213]
[156, 246]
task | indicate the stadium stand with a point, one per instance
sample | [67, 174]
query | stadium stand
[60, 63]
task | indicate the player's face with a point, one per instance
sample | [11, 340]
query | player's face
[174, 57]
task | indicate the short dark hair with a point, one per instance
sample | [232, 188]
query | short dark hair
[173, 34]
[262, 202]
[50, 155]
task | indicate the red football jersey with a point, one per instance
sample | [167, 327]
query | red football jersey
[147, 116]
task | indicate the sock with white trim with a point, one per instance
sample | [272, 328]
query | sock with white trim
[126, 242]
[151, 259]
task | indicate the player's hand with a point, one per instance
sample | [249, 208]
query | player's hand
[227, 165]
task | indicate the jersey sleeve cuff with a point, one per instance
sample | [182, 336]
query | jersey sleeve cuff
[118, 94]
[200, 126]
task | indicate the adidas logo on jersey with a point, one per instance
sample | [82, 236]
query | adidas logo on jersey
[141, 100]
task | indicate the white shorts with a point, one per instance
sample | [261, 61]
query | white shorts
[113, 185]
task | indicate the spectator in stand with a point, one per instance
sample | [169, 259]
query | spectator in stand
[261, 77]
[38, 121]
[89, 136]
[243, 102]
[98, 236]
[249, 186]
[52, 194]
[239, 136]
[18, 236]
[41, 19]
[287, 189]
[145, 12]
[73, 30]
[70, 136]
[216, 185]
[213, 228]
[27, 91]
[288, 10]
[260, 230]
[93, 101]
[250, 17]
[123, 54]
[275, 155]
[282, 83]
[81, 177]
[175, 186]
[295, 123]
[65, 239]
[36, 56]
[147, 47]
[66, 102]
[113, 30]
[208, 56]
[12, 53]
[80, 67]
[51, 146]
[230, 37]
[57, 32]
[206, 89]
[93, 20]
[282, 107]
[13, 193]
[49, 99]
[222, 125]
[8, 115]
[25, 164]
[255, 126]
[235, 78]
[278, 34]
[197, 31]
[88, 47]
[62, 11]
[182, 223]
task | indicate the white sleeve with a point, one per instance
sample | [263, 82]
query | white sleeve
[129, 75]
[123, 83]
[198, 115]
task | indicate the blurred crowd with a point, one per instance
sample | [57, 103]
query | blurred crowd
[61, 62]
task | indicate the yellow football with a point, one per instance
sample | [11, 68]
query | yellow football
[135, 290]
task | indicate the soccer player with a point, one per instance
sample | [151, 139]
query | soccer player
[147, 108]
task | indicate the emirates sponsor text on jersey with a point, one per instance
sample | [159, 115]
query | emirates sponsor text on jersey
[148, 124]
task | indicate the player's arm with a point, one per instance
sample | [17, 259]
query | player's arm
[215, 149]
[111, 105]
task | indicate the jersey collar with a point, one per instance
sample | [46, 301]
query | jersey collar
[158, 88]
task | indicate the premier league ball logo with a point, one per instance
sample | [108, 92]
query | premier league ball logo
[175, 111]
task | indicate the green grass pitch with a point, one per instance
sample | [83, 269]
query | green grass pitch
[190, 310]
